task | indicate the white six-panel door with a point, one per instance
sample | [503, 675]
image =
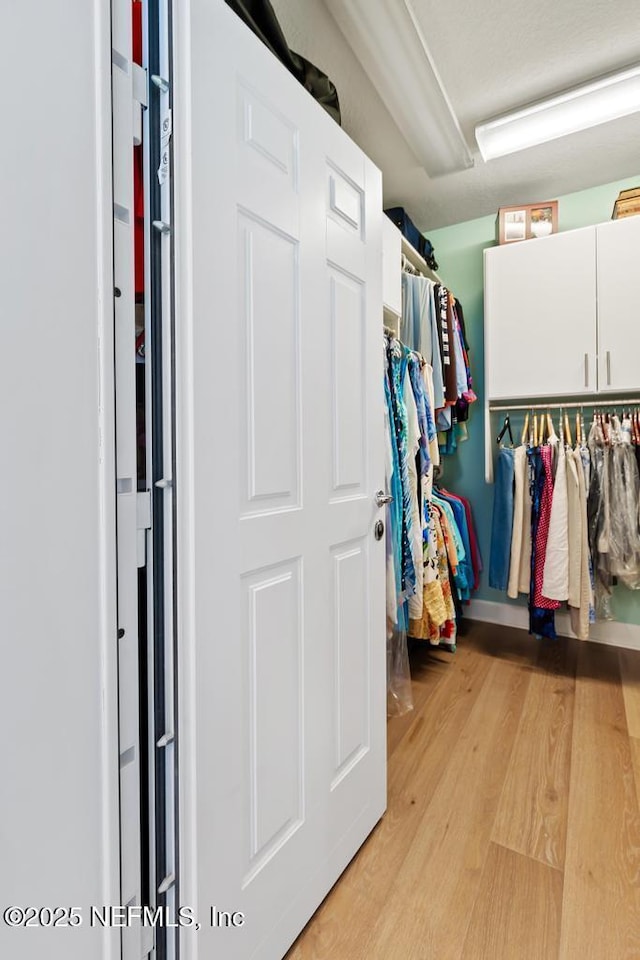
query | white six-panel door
[279, 453]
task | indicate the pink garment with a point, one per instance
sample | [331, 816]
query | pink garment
[543, 533]
[476, 559]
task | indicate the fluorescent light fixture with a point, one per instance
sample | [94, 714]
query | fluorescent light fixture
[386, 37]
[608, 98]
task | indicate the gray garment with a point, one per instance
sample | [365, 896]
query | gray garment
[418, 327]
[580, 615]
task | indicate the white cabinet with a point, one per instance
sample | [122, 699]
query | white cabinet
[391, 267]
[618, 246]
[540, 317]
[561, 314]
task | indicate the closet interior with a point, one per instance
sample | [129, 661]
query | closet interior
[566, 510]
[433, 560]
[565, 524]
[257, 479]
[319, 506]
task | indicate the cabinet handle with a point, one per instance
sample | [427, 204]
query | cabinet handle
[586, 369]
[608, 368]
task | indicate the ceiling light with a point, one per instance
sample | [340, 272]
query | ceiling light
[387, 40]
[609, 98]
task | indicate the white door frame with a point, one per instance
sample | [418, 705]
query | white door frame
[59, 805]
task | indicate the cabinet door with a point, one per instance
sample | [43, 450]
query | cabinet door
[618, 246]
[540, 317]
[391, 267]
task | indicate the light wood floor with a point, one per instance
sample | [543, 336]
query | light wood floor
[513, 828]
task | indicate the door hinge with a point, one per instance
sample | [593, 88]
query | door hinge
[143, 523]
[140, 99]
[140, 86]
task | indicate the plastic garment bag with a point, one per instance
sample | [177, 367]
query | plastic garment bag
[598, 519]
[399, 694]
[624, 491]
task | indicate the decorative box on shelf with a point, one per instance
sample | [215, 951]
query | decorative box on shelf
[627, 204]
[526, 220]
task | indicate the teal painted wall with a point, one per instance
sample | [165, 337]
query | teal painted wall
[459, 251]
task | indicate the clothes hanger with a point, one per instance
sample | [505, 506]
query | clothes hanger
[543, 428]
[535, 431]
[408, 267]
[525, 429]
[567, 429]
[506, 427]
[551, 430]
[604, 427]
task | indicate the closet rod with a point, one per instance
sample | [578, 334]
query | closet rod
[612, 402]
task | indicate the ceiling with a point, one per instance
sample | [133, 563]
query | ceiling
[492, 57]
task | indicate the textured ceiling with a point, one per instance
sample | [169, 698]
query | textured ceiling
[492, 56]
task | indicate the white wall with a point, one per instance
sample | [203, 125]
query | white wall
[58, 693]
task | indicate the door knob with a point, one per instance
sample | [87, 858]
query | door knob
[382, 498]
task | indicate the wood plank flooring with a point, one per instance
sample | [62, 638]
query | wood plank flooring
[513, 827]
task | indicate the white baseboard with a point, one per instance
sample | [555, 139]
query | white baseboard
[612, 632]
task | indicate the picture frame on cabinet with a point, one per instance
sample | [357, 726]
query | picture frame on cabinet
[526, 221]
[515, 225]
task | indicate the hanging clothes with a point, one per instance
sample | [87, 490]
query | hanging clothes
[464, 520]
[624, 542]
[393, 587]
[520, 522]
[432, 323]
[502, 520]
[415, 524]
[433, 559]
[434, 611]
[574, 528]
[419, 327]
[432, 555]
[397, 356]
[541, 610]
[468, 396]
[581, 601]
[598, 516]
[447, 347]
[555, 578]
[575, 520]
